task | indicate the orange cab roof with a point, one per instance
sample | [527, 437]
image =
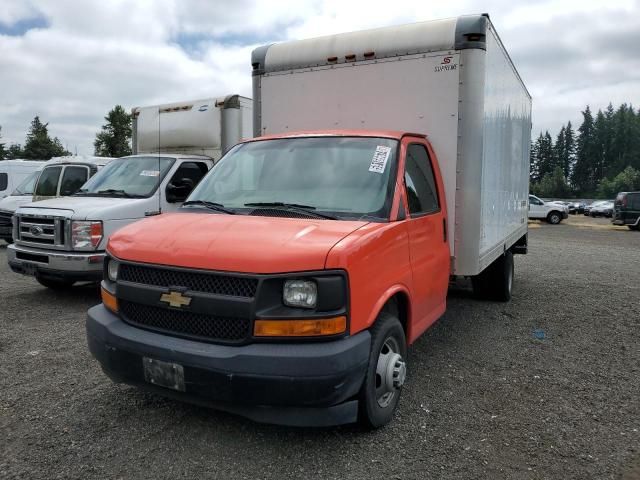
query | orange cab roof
[393, 134]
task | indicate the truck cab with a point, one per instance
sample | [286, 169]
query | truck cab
[351, 225]
[62, 241]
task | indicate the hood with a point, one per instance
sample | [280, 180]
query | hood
[95, 208]
[12, 202]
[235, 243]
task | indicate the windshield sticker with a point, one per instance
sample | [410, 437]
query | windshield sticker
[379, 160]
[150, 173]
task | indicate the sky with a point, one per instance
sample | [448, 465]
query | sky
[71, 61]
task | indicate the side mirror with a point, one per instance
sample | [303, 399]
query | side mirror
[178, 191]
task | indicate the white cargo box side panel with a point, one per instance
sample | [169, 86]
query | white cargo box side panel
[505, 162]
[413, 93]
[193, 126]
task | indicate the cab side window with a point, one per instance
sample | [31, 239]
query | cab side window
[187, 176]
[4, 181]
[422, 194]
[47, 185]
[72, 179]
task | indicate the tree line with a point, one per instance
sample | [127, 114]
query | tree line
[598, 160]
[113, 140]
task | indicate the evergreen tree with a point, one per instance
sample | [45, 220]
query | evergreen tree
[559, 150]
[115, 138]
[569, 150]
[583, 175]
[14, 151]
[39, 146]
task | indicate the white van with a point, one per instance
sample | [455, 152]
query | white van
[13, 173]
[8, 205]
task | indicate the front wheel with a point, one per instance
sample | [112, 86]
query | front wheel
[55, 284]
[634, 227]
[554, 218]
[386, 372]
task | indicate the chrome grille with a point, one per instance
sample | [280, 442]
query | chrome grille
[41, 231]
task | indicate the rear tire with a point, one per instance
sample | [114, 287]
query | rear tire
[634, 227]
[496, 281]
[380, 392]
[554, 218]
[55, 284]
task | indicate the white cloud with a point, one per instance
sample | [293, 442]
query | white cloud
[95, 54]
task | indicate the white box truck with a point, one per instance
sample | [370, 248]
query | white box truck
[62, 241]
[311, 257]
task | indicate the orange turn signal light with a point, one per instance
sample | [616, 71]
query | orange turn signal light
[109, 300]
[310, 327]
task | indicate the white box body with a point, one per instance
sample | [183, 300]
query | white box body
[432, 78]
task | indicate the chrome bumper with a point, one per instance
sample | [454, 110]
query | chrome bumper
[72, 265]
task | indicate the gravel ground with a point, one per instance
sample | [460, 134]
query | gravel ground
[544, 387]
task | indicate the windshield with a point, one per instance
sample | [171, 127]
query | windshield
[27, 185]
[347, 177]
[128, 176]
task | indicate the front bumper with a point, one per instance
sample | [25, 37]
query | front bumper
[56, 264]
[565, 215]
[298, 384]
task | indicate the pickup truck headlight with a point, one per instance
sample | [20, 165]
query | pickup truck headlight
[85, 235]
[300, 293]
[112, 270]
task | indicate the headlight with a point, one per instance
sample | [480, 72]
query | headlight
[112, 270]
[85, 235]
[300, 293]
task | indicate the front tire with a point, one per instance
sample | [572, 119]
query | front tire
[554, 218]
[634, 227]
[386, 373]
[496, 281]
[55, 284]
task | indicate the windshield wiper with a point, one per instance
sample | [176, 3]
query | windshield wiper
[83, 192]
[218, 207]
[296, 207]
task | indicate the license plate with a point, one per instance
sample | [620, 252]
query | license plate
[163, 374]
[29, 269]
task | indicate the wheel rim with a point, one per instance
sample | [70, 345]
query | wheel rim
[391, 372]
[555, 219]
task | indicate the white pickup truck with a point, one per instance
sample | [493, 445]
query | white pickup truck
[62, 241]
[552, 212]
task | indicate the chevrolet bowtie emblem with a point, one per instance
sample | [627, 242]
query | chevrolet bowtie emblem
[175, 299]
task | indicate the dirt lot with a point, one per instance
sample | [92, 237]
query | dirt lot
[544, 387]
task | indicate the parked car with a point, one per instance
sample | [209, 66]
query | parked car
[604, 209]
[552, 212]
[577, 207]
[627, 210]
[587, 208]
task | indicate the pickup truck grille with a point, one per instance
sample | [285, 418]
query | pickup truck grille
[196, 281]
[187, 324]
[41, 231]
